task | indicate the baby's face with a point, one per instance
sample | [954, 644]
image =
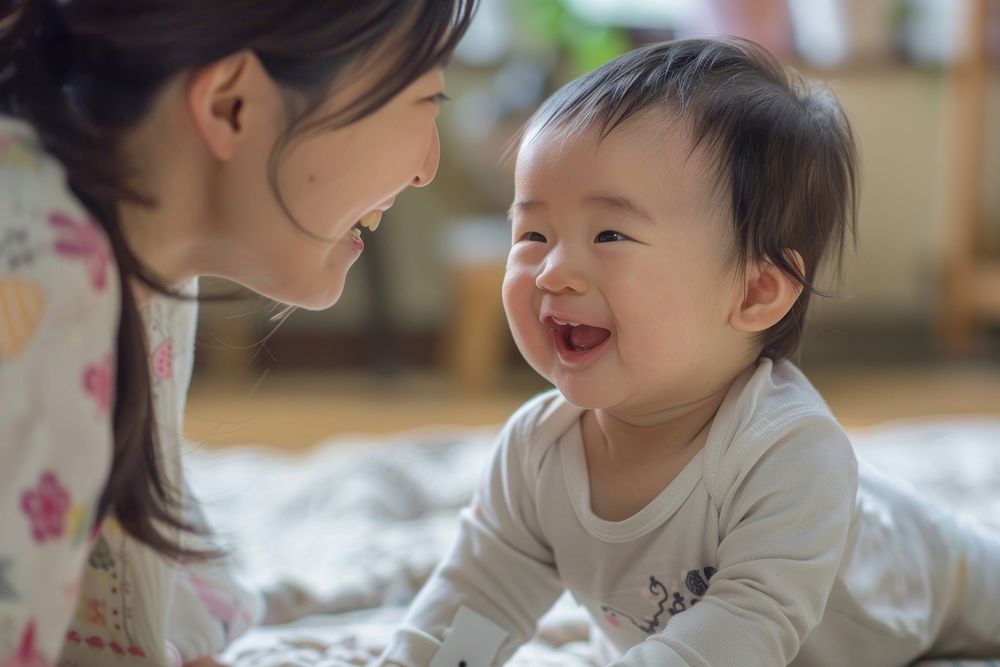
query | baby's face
[619, 282]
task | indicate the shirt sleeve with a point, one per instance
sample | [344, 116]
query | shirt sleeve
[211, 605]
[500, 566]
[785, 507]
[59, 296]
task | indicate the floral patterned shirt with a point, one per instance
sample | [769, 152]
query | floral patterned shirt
[73, 593]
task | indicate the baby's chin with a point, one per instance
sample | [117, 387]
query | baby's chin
[586, 395]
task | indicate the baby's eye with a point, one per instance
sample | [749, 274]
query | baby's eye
[534, 237]
[609, 235]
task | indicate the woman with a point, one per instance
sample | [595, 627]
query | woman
[144, 143]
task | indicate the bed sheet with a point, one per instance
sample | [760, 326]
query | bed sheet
[342, 538]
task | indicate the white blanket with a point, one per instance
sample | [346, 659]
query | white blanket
[347, 534]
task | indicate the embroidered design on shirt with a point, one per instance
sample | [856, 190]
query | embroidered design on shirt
[163, 361]
[21, 306]
[83, 239]
[95, 612]
[698, 583]
[97, 382]
[100, 556]
[45, 507]
[103, 619]
[667, 603]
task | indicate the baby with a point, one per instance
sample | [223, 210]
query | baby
[684, 481]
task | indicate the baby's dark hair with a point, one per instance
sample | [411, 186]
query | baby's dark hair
[781, 144]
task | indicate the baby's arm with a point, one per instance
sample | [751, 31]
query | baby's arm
[485, 599]
[211, 606]
[785, 509]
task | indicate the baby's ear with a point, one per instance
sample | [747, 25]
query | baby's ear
[768, 294]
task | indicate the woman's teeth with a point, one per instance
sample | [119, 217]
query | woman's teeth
[371, 220]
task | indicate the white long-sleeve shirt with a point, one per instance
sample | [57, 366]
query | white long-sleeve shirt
[764, 550]
[72, 593]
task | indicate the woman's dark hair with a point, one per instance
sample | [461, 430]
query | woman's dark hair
[83, 73]
[781, 145]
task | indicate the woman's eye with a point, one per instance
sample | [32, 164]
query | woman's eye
[608, 236]
[439, 98]
[534, 237]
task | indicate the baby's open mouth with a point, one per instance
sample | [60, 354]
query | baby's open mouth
[577, 337]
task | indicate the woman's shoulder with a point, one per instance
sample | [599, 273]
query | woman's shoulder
[57, 269]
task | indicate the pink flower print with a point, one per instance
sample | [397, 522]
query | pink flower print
[97, 382]
[163, 360]
[83, 239]
[95, 612]
[25, 655]
[46, 507]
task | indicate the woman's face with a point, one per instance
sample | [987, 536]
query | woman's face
[329, 180]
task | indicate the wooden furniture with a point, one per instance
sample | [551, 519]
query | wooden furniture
[477, 341]
[971, 294]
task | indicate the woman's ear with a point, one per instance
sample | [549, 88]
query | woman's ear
[768, 294]
[218, 99]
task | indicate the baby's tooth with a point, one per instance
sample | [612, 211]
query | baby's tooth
[356, 233]
[371, 220]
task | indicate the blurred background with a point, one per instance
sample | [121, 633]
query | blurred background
[419, 337]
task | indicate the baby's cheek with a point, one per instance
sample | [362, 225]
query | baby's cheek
[526, 339]
[648, 348]
[516, 296]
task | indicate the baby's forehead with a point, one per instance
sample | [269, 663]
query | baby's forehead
[648, 132]
[654, 141]
[653, 164]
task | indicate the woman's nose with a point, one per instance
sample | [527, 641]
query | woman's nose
[429, 168]
[560, 274]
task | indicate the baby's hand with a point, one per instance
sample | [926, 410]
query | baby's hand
[204, 662]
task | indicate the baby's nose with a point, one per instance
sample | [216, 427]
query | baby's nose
[560, 274]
